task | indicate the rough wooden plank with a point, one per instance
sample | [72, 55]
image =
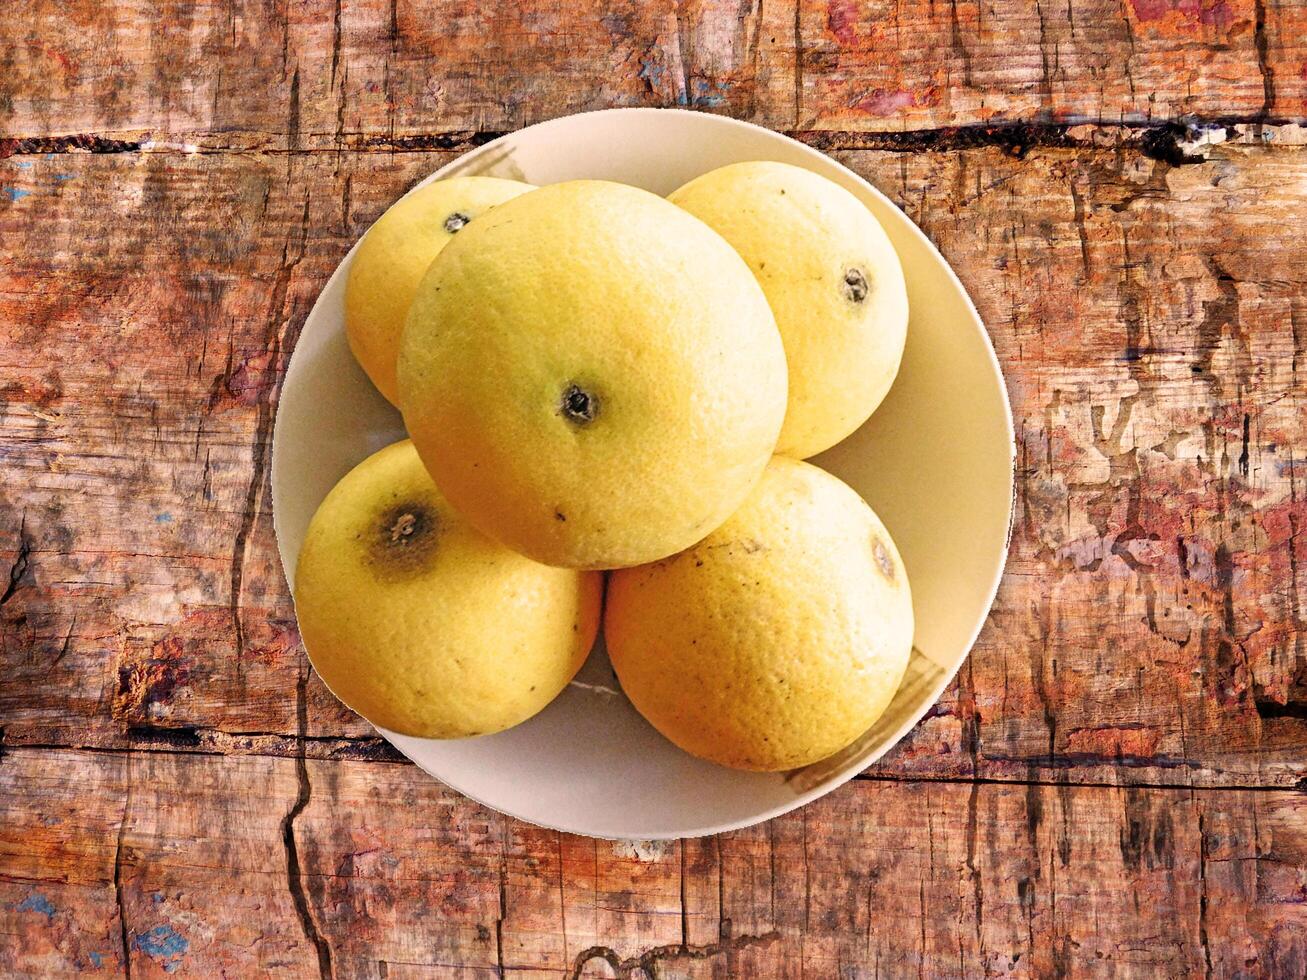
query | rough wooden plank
[1152, 611]
[1149, 628]
[269, 866]
[324, 73]
[154, 365]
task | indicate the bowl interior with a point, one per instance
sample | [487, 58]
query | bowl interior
[935, 462]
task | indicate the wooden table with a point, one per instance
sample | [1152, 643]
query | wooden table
[1116, 784]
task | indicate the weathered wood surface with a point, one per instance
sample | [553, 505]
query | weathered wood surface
[332, 73]
[1149, 628]
[260, 866]
[1115, 783]
[1150, 624]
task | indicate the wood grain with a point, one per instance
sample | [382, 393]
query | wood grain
[1149, 627]
[329, 74]
[254, 865]
[1114, 785]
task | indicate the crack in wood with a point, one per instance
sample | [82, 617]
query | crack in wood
[19, 568]
[1119, 760]
[1045, 70]
[1202, 897]
[1162, 142]
[503, 901]
[1060, 784]
[684, 54]
[335, 40]
[1078, 218]
[77, 143]
[285, 36]
[149, 739]
[971, 745]
[181, 737]
[118, 874]
[1243, 453]
[922, 916]
[977, 886]
[1262, 44]
[63, 647]
[650, 960]
[455, 140]
[293, 112]
[1268, 708]
[1156, 140]
[294, 876]
[798, 64]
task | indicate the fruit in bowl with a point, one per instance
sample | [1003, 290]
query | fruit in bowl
[394, 256]
[935, 461]
[592, 376]
[401, 603]
[776, 640]
[833, 280]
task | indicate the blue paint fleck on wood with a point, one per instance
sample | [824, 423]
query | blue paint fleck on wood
[163, 943]
[37, 902]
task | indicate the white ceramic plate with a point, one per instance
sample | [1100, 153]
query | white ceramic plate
[935, 461]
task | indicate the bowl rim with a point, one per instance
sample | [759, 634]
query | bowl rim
[457, 167]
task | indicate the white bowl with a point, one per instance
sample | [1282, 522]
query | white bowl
[935, 461]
